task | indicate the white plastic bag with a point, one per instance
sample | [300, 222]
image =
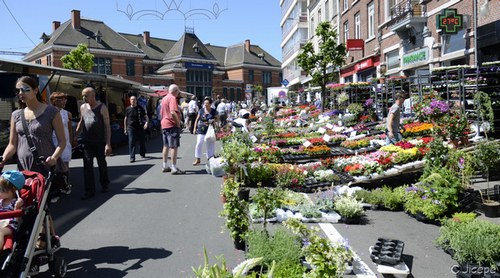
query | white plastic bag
[210, 136]
[217, 166]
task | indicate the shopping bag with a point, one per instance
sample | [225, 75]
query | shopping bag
[210, 136]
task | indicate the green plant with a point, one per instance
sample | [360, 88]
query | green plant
[289, 176]
[437, 154]
[235, 210]
[395, 199]
[281, 247]
[267, 200]
[363, 195]
[258, 172]
[463, 216]
[349, 207]
[355, 108]
[488, 156]
[236, 153]
[473, 241]
[326, 258]
[484, 108]
[309, 210]
[324, 200]
[220, 270]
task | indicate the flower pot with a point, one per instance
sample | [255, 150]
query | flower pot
[491, 209]
[223, 198]
[454, 142]
[239, 244]
[464, 140]
[244, 194]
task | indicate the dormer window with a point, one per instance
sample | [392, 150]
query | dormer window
[261, 55]
[196, 48]
[98, 36]
[45, 38]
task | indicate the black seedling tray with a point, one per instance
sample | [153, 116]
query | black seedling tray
[387, 251]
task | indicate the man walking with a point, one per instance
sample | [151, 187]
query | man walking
[135, 122]
[192, 113]
[96, 131]
[393, 120]
[171, 126]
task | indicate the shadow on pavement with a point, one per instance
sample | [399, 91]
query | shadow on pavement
[92, 263]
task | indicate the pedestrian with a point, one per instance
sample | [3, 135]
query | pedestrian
[207, 116]
[58, 99]
[192, 113]
[171, 126]
[184, 109]
[31, 129]
[96, 135]
[393, 119]
[135, 123]
[223, 112]
[10, 183]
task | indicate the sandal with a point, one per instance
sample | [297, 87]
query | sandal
[197, 162]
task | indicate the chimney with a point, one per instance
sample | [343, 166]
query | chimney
[247, 45]
[147, 38]
[55, 25]
[75, 19]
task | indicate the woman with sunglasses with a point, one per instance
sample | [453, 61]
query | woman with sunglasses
[41, 120]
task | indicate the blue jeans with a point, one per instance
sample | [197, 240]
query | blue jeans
[91, 150]
[397, 137]
[136, 136]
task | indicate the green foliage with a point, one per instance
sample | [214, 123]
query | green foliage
[79, 59]
[463, 216]
[484, 108]
[487, 156]
[464, 163]
[269, 128]
[282, 247]
[309, 210]
[267, 200]
[329, 55]
[436, 156]
[473, 241]
[326, 258]
[395, 200]
[235, 211]
[236, 153]
[258, 172]
[355, 108]
[289, 176]
[349, 207]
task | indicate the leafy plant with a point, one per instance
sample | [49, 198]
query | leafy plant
[473, 241]
[289, 176]
[79, 59]
[281, 247]
[309, 211]
[326, 258]
[267, 200]
[349, 207]
[324, 200]
[488, 156]
[484, 108]
[220, 270]
[463, 216]
[235, 210]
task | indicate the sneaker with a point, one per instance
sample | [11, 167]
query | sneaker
[67, 190]
[55, 242]
[54, 199]
[166, 170]
[178, 172]
[34, 268]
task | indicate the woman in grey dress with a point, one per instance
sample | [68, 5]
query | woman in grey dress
[42, 120]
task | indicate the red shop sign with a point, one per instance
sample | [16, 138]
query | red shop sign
[368, 63]
[355, 44]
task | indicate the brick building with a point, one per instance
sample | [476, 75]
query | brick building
[198, 68]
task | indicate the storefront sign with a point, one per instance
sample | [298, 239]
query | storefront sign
[416, 57]
[199, 66]
[449, 21]
[368, 63]
[355, 44]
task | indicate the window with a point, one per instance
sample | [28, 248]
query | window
[357, 29]
[266, 77]
[392, 60]
[102, 65]
[346, 5]
[320, 19]
[251, 77]
[38, 61]
[371, 20]
[312, 26]
[130, 67]
[327, 10]
[346, 31]
[452, 43]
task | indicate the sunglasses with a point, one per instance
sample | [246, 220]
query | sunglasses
[23, 90]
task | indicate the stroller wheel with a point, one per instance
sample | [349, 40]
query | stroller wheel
[58, 267]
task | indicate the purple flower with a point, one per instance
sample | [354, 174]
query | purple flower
[424, 197]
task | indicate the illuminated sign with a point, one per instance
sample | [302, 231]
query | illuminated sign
[449, 21]
[415, 57]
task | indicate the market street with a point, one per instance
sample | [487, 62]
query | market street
[154, 224]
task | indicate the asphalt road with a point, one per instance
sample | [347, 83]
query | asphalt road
[154, 224]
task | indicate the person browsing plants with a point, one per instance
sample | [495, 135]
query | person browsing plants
[206, 116]
[393, 119]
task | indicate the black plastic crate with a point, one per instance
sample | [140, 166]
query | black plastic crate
[387, 251]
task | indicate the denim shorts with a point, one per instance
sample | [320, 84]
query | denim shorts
[172, 137]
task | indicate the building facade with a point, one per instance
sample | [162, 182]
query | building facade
[198, 68]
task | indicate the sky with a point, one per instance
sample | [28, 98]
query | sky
[218, 22]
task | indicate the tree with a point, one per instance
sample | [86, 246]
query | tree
[330, 55]
[79, 59]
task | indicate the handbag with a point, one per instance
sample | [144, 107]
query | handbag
[210, 135]
[38, 159]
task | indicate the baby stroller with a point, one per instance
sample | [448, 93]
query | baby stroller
[20, 256]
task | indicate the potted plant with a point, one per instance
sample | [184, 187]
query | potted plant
[471, 242]
[485, 114]
[488, 156]
[236, 213]
[267, 200]
[350, 209]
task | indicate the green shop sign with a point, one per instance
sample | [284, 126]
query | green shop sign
[415, 57]
[449, 21]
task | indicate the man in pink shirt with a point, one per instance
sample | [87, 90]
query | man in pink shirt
[171, 126]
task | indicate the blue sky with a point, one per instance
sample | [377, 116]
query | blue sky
[237, 20]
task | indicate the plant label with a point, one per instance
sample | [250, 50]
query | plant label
[307, 144]
[326, 138]
[321, 130]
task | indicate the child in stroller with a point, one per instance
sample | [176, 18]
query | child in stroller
[10, 183]
[19, 255]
